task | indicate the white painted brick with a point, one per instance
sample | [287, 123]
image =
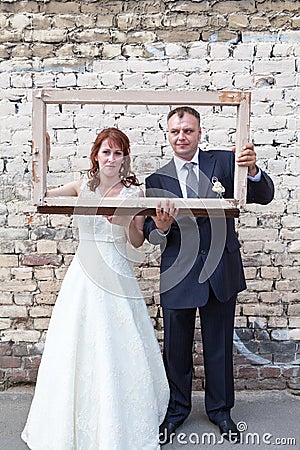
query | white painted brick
[41, 323]
[175, 50]
[16, 220]
[278, 65]
[21, 335]
[294, 247]
[66, 80]
[263, 49]
[88, 80]
[59, 165]
[66, 136]
[111, 79]
[45, 298]
[133, 81]
[112, 50]
[222, 80]
[243, 81]
[198, 50]
[291, 181]
[44, 35]
[44, 79]
[3, 20]
[5, 324]
[190, 65]
[4, 80]
[19, 21]
[22, 273]
[155, 80]
[278, 322]
[263, 137]
[231, 66]
[269, 122]
[292, 94]
[79, 164]
[137, 65]
[244, 51]
[138, 122]
[44, 246]
[23, 299]
[110, 66]
[219, 50]
[177, 80]
[199, 81]
[266, 94]
[294, 322]
[40, 311]
[13, 311]
[276, 167]
[291, 221]
[6, 297]
[257, 234]
[23, 80]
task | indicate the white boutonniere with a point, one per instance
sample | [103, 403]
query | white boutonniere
[217, 187]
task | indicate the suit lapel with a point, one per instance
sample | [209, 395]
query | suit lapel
[170, 179]
[207, 163]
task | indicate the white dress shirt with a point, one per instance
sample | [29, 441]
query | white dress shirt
[182, 171]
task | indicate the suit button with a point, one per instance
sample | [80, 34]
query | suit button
[203, 252]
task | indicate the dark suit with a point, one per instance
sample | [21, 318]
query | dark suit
[201, 267]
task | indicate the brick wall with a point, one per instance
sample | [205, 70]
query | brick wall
[167, 44]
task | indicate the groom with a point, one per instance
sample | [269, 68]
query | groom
[190, 279]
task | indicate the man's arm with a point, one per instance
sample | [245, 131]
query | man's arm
[261, 191]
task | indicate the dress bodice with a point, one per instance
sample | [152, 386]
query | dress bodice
[98, 228]
[103, 247]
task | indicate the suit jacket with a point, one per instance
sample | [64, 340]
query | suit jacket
[201, 252]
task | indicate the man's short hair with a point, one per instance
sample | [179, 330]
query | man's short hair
[184, 109]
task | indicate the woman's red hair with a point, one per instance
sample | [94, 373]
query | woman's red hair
[119, 139]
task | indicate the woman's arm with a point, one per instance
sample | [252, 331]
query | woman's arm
[71, 189]
[135, 231]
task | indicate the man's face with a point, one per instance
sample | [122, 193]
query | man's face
[184, 135]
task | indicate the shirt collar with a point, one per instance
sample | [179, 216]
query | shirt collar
[179, 163]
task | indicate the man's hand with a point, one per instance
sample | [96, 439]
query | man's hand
[247, 158]
[165, 216]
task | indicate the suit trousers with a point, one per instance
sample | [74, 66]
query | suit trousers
[217, 325]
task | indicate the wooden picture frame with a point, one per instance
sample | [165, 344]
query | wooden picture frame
[144, 206]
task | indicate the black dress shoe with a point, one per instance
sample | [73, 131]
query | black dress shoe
[166, 432]
[229, 431]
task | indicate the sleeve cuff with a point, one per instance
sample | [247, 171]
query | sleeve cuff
[162, 233]
[257, 177]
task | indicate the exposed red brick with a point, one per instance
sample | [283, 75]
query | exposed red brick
[41, 260]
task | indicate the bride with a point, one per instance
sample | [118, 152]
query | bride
[101, 383]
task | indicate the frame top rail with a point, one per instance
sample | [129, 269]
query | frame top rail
[141, 97]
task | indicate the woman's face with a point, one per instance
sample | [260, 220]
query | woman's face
[110, 158]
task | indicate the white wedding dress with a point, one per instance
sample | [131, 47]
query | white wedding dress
[101, 383]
